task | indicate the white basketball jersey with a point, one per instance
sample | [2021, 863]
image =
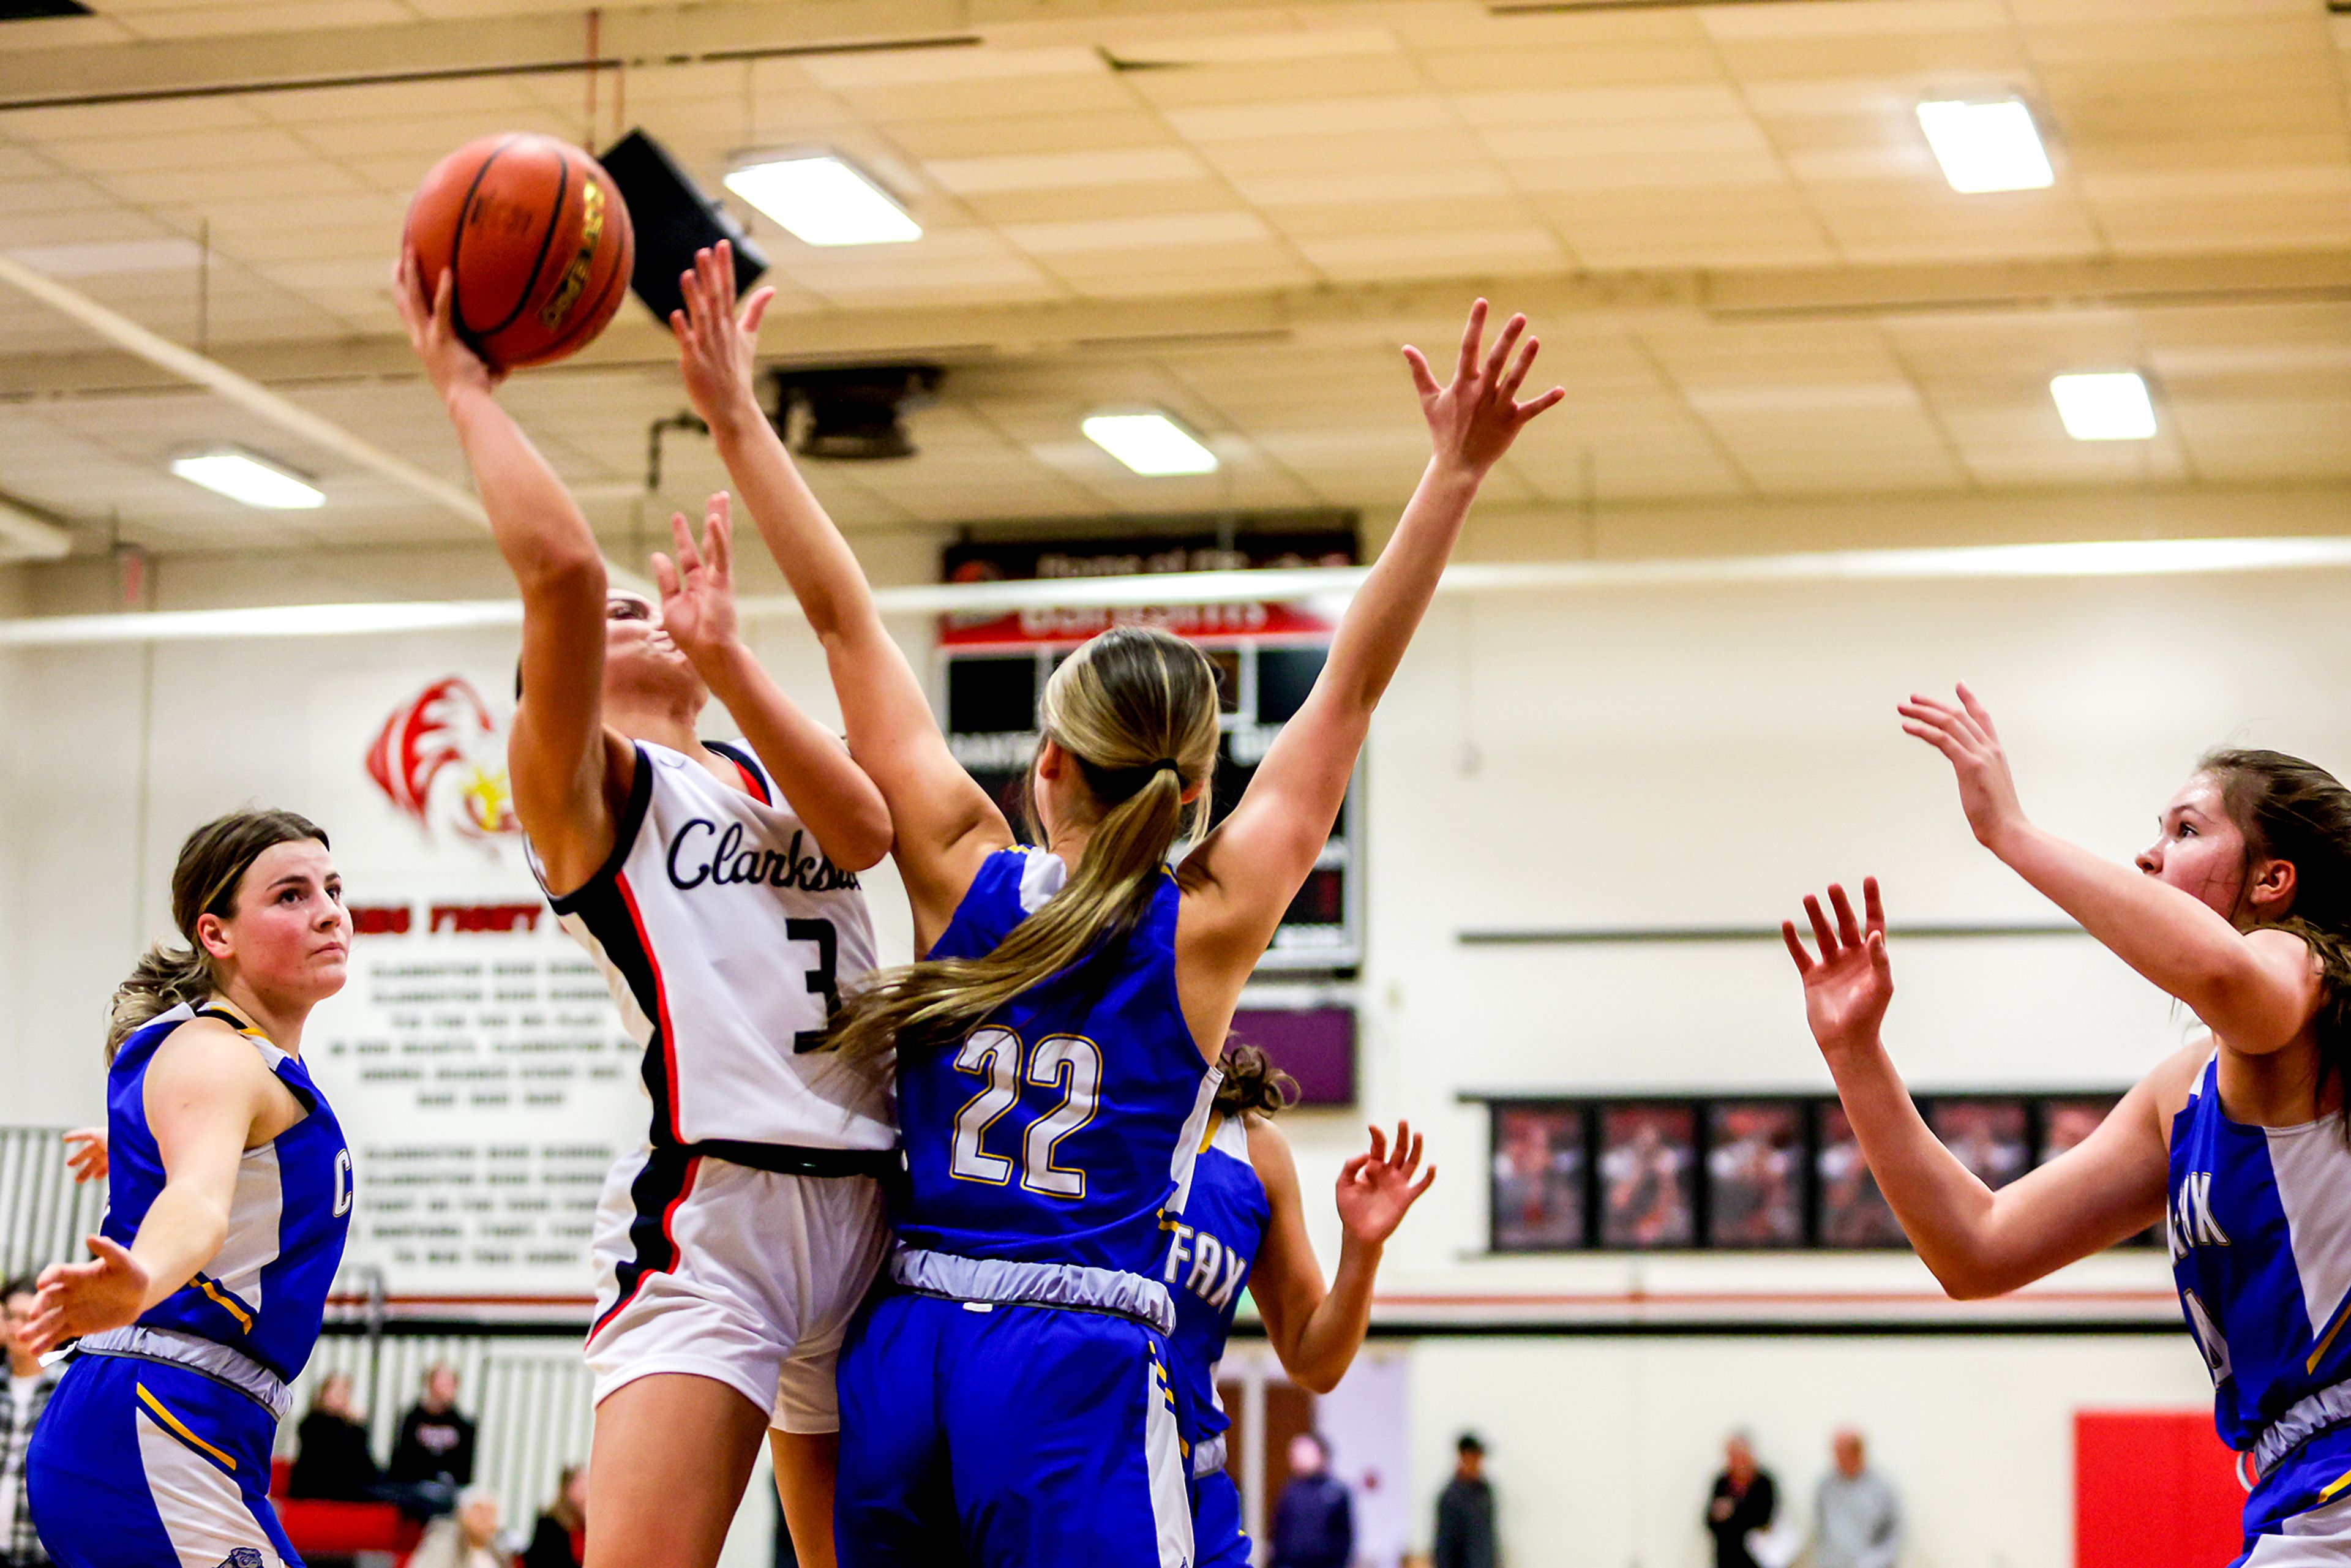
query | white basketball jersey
[726, 936]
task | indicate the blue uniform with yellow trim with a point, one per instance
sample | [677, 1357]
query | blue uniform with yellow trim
[2259, 1228]
[155, 1447]
[1009, 1402]
[1208, 1262]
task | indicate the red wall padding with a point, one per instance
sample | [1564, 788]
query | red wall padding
[2153, 1488]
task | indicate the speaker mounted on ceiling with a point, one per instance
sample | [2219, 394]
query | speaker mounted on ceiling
[852, 413]
[673, 219]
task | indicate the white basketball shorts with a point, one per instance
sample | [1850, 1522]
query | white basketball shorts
[745, 1276]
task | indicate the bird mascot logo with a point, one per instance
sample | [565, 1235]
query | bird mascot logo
[441, 758]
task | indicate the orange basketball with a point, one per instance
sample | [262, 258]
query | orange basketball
[538, 237]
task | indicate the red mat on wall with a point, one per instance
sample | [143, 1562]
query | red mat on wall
[2153, 1488]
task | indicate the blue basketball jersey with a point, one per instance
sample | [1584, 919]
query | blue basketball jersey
[2259, 1228]
[1208, 1262]
[264, 1292]
[1064, 1128]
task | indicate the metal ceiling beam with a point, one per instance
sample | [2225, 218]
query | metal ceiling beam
[970, 335]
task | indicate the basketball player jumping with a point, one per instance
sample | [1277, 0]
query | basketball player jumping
[718, 890]
[1009, 1403]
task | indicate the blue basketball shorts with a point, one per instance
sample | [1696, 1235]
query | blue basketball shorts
[1001, 1436]
[139, 1464]
[1216, 1530]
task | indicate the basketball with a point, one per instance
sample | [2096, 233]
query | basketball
[539, 240]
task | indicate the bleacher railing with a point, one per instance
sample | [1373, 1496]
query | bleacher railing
[43, 1214]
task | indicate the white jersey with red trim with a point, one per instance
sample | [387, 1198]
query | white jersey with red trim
[726, 935]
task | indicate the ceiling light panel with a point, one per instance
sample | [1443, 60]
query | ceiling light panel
[2108, 405]
[1150, 444]
[1986, 146]
[255, 481]
[821, 200]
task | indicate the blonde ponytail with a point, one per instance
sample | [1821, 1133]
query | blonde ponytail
[204, 881]
[1137, 710]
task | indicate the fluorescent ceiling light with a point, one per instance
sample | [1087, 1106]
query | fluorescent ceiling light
[2111, 405]
[823, 201]
[1150, 444]
[1986, 146]
[255, 481]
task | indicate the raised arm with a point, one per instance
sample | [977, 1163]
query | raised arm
[2256, 989]
[205, 1090]
[568, 778]
[1315, 1331]
[1977, 1241]
[824, 786]
[1243, 874]
[945, 823]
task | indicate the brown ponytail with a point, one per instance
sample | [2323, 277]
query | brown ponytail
[1136, 709]
[212, 862]
[1253, 1085]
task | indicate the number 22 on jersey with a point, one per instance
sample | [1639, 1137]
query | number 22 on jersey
[995, 1056]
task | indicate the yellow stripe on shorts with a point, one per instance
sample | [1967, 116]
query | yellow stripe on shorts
[179, 1428]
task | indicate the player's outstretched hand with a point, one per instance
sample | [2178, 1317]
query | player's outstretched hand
[78, 1299]
[1963, 733]
[1473, 419]
[86, 1154]
[1377, 1189]
[1846, 989]
[697, 588]
[432, 332]
[719, 340]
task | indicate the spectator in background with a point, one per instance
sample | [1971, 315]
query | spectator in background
[1744, 1501]
[468, 1538]
[1855, 1523]
[29, 1387]
[1314, 1521]
[560, 1538]
[1464, 1513]
[331, 1457]
[435, 1446]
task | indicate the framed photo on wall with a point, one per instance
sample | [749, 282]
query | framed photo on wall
[1540, 1163]
[1851, 1211]
[1755, 1173]
[1993, 1138]
[1648, 1175]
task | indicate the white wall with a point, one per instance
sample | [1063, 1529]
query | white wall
[1603, 758]
[1601, 1451]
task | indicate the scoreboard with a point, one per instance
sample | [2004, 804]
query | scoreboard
[992, 670]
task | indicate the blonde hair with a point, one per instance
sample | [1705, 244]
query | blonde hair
[1137, 710]
[205, 882]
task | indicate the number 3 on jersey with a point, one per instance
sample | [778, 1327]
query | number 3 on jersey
[994, 1056]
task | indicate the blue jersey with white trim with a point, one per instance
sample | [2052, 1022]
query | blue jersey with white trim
[2259, 1227]
[264, 1292]
[1062, 1128]
[1208, 1262]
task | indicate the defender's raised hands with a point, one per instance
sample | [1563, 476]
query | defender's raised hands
[1473, 419]
[1377, 1189]
[719, 340]
[697, 585]
[1962, 731]
[1846, 989]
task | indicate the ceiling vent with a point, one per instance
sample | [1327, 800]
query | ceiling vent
[850, 413]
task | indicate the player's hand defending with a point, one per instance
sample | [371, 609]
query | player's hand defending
[431, 325]
[697, 589]
[1376, 1189]
[1962, 732]
[76, 1299]
[718, 341]
[86, 1154]
[1846, 989]
[1473, 420]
